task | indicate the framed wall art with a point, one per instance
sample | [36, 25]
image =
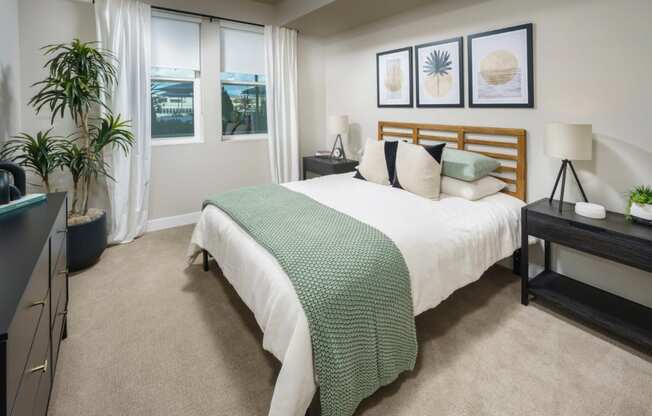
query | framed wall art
[501, 71]
[440, 73]
[394, 78]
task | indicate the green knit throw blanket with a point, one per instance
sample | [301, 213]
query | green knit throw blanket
[351, 280]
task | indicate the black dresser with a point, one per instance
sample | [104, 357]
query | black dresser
[33, 303]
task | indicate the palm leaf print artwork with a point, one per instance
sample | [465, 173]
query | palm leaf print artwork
[437, 69]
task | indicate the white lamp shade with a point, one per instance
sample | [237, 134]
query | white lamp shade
[338, 124]
[569, 141]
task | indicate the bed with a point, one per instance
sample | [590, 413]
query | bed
[431, 235]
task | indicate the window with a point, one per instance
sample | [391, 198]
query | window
[244, 98]
[175, 80]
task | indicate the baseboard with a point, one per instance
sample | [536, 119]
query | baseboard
[171, 222]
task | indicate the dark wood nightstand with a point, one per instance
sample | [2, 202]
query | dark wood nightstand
[613, 238]
[327, 166]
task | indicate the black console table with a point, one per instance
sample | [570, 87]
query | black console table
[33, 303]
[614, 238]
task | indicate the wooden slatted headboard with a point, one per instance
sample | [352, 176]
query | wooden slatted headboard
[505, 145]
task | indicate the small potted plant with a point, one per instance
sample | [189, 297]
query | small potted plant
[640, 204]
[41, 154]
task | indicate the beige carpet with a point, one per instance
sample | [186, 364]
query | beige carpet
[148, 336]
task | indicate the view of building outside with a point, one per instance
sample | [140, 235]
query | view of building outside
[244, 104]
[172, 109]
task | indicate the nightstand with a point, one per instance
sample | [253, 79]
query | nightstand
[614, 238]
[327, 166]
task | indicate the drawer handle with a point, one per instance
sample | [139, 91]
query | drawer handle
[63, 272]
[43, 368]
[40, 302]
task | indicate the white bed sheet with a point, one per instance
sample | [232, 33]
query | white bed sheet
[446, 244]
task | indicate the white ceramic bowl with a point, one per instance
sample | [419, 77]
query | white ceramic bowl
[589, 210]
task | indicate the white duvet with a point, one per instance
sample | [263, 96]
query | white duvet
[446, 244]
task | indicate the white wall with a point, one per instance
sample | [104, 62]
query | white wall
[9, 69]
[592, 60]
[312, 94]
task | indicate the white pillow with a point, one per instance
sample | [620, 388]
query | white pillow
[418, 169]
[373, 166]
[472, 191]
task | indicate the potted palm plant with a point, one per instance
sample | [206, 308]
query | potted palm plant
[640, 204]
[80, 74]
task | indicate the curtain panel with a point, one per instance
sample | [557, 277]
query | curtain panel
[282, 119]
[124, 27]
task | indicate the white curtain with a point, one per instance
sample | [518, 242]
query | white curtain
[124, 27]
[282, 120]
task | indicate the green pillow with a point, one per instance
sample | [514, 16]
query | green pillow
[467, 166]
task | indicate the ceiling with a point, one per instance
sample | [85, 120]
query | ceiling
[340, 15]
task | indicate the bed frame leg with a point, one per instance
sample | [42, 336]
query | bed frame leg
[516, 262]
[205, 257]
[315, 406]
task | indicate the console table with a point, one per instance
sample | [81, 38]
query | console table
[614, 238]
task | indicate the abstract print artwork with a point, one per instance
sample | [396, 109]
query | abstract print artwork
[501, 68]
[440, 74]
[394, 78]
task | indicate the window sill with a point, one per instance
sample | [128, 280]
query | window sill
[244, 137]
[176, 141]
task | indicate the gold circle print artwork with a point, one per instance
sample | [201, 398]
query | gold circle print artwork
[499, 67]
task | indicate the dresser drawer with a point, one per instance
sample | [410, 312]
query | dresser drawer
[37, 368]
[59, 276]
[57, 329]
[32, 307]
[592, 240]
[42, 398]
[58, 237]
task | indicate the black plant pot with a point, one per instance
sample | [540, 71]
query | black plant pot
[86, 243]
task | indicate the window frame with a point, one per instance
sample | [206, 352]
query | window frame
[198, 136]
[240, 137]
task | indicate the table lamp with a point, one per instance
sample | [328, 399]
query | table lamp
[338, 125]
[568, 142]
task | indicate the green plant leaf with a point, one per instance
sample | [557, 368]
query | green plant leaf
[41, 153]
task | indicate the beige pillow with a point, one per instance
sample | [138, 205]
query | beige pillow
[418, 169]
[472, 191]
[373, 166]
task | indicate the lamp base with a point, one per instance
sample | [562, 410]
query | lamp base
[565, 164]
[339, 149]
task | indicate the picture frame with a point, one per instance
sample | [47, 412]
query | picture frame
[394, 82]
[439, 73]
[501, 68]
